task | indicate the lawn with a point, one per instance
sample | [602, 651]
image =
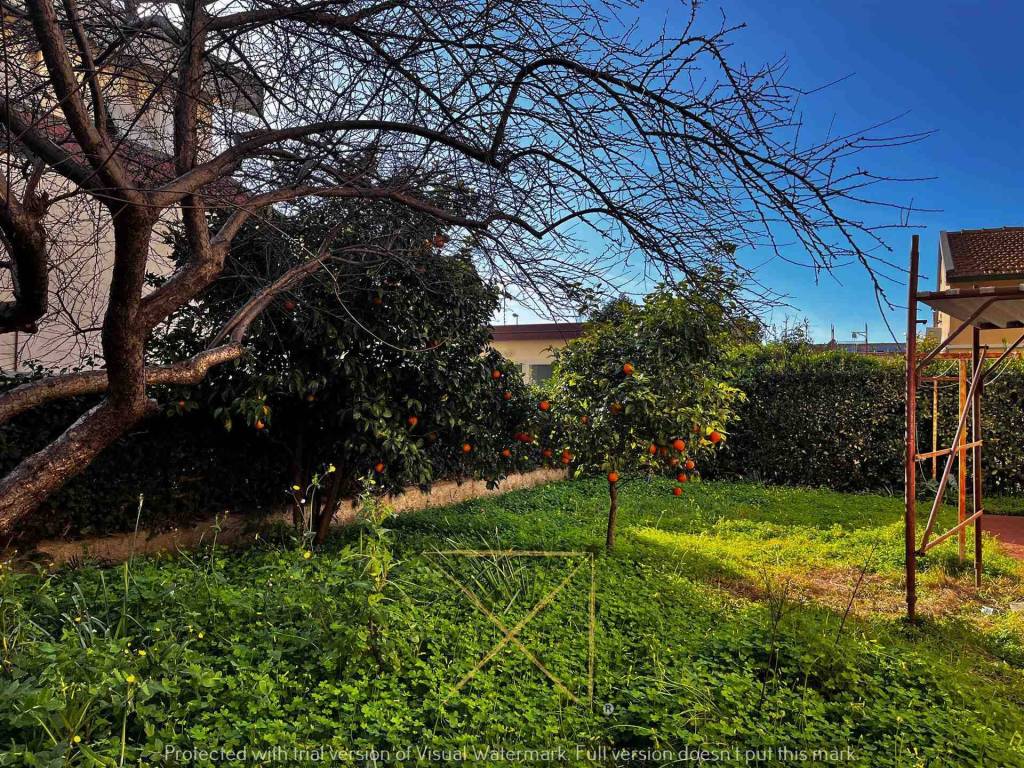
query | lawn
[760, 624]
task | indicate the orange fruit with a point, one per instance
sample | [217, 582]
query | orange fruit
[679, 445]
[466, 447]
[677, 491]
[613, 477]
[653, 449]
[506, 453]
[681, 477]
[310, 397]
[259, 424]
[379, 466]
[412, 421]
[547, 453]
[628, 369]
[566, 457]
[544, 405]
[495, 374]
[715, 437]
[507, 395]
[690, 464]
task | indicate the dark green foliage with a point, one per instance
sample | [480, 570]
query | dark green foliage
[836, 420]
[270, 647]
[186, 465]
[397, 327]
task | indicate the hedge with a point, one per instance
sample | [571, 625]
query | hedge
[836, 419]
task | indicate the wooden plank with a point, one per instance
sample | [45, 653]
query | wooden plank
[946, 451]
[958, 528]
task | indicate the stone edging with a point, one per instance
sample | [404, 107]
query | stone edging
[239, 529]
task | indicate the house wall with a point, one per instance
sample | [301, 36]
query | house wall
[81, 245]
[529, 352]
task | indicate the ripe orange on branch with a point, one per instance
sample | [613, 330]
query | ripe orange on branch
[412, 421]
[628, 369]
[677, 491]
[681, 477]
[715, 437]
[679, 445]
[506, 453]
[547, 453]
[466, 447]
[652, 449]
[690, 464]
[507, 395]
[378, 467]
[613, 477]
[544, 405]
[495, 374]
[259, 424]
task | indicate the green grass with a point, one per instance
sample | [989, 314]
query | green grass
[736, 618]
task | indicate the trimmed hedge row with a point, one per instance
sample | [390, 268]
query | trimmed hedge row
[836, 419]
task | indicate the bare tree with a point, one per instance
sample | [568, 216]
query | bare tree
[551, 114]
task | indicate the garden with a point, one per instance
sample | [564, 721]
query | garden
[270, 494]
[741, 620]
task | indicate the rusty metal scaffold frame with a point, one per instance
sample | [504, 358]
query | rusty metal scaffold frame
[973, 307]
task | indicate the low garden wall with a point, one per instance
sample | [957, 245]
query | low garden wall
[239, 529]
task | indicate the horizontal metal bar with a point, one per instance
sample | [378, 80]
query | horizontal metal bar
[938, 378]
[939, 539]
[947, 451]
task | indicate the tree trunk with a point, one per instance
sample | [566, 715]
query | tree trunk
[35, 478]
[613, 509]
[323, 523]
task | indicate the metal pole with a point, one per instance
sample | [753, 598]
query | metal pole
[961, 501]
[910, 494]
[935, 428]
[976, 459]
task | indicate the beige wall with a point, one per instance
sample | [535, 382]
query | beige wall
[81, 251]
[528, 352]
[995, 340]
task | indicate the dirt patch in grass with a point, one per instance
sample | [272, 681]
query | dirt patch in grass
[867, 595]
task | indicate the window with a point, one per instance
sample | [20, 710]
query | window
[540, 373]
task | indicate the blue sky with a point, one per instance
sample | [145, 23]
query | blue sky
[952, 67]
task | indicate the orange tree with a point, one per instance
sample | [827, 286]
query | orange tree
[645, 390]
[382, 371]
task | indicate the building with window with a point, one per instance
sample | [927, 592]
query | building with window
[532, 346]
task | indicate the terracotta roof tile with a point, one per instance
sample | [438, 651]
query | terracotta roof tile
[990, 253]
[537, 331]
